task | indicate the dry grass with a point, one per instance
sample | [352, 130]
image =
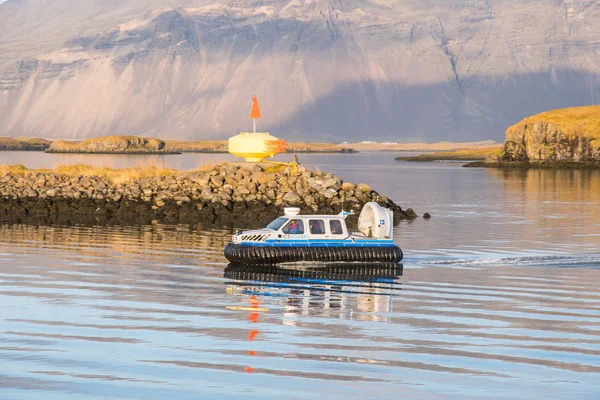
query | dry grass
[14, 169]
[64, 144]
[116, 176]
[275, 168]
[577, 120]
[34, 141]
[123, 175]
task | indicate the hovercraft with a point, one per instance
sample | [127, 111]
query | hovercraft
[296, 238]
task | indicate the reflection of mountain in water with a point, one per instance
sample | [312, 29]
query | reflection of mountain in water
[346, 291]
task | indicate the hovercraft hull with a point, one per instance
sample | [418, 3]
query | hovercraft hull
[272, 255]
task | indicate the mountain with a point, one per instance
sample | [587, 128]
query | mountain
[401, 70]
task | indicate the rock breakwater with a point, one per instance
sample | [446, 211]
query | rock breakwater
[228, 193]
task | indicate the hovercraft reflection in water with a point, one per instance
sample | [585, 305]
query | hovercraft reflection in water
[318, 238]
[342, 290]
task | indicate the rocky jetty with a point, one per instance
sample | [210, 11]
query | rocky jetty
[112, 145]
[560, 138]
[247, 194]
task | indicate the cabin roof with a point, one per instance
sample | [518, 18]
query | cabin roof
[313, 217]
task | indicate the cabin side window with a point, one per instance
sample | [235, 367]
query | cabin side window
[335, 227]
[317, 226]
[294, 227]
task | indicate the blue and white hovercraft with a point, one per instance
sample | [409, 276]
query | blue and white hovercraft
[318, 238]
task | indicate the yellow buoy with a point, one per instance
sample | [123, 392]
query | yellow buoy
[255, 146]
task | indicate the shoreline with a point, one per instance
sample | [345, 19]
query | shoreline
[536, 165]
[252, 193]
[137, 153]
[467, 155]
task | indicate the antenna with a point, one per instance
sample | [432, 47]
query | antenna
[255, 111]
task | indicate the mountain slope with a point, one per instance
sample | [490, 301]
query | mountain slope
[329, 70]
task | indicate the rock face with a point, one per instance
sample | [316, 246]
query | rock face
[111, 144]
[567, 135]
[393, 70]
[225, 193]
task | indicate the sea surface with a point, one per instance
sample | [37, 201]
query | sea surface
[498, 297]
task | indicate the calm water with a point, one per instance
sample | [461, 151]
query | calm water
[498, 298]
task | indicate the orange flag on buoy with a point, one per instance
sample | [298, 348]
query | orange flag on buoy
[255, 113]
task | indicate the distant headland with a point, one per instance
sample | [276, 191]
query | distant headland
[119, 144]
[563, 138]
[24, 144]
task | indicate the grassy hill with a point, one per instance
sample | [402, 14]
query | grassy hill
[582, 121]
[565, 135]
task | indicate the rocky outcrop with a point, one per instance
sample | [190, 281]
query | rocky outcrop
[111, 145]
[25, 144]
[565, 137]
[543, 141]
[253, 194]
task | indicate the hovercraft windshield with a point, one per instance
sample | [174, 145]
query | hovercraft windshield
[278, 223]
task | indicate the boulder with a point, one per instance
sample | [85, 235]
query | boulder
[410, 214]
[216, 180]
[363, 187]
[330, 193]
[243, 190]
[231, 181]
[327, 182]
[291, 198]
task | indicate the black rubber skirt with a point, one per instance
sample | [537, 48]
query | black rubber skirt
[376, 272]
[267, 255]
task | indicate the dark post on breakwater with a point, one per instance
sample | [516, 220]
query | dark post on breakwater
[242, 193]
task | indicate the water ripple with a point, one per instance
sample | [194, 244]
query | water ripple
[110, 312]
